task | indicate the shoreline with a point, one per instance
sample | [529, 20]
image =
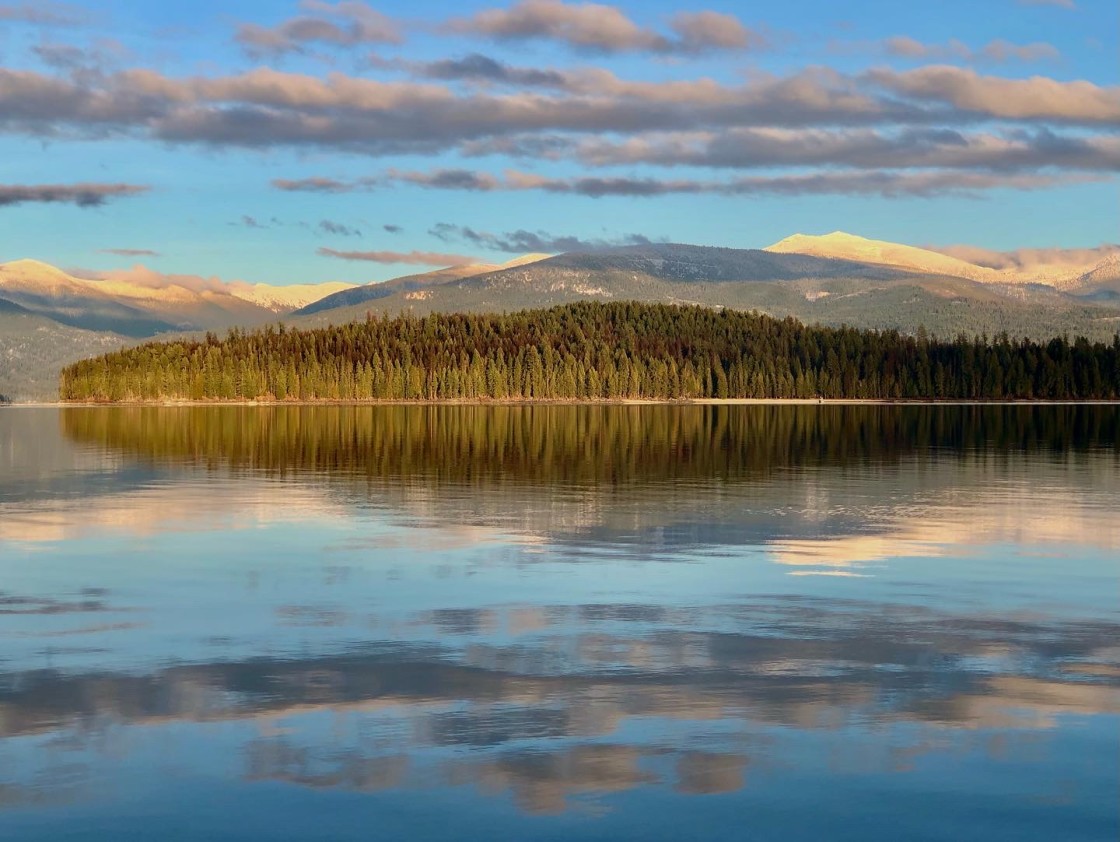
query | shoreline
[605, 402]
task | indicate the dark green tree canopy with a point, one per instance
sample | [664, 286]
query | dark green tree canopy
[593, 351]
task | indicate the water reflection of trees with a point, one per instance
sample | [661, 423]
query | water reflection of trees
[644, 480]
[577, 444]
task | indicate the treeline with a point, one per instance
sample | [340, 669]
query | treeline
[592, 351]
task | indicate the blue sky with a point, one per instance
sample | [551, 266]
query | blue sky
[294, 142]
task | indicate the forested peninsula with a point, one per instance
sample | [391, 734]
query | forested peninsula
[594, 351]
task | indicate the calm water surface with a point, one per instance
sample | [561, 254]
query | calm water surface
[560, 623]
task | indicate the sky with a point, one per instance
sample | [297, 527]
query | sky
[306, 141]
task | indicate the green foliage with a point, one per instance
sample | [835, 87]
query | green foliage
[592, 351]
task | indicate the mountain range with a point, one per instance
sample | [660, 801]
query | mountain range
[140, 302]
[49, 317]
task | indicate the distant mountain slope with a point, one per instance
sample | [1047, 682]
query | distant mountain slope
[33, 349]
[609, 273]
[185, 309]
[635, 272]
[1101, 283]
[842, 246]
[140, 302]
[10, 307]
[1056, 267]
[47, 291]
[408, 283]
[34, 276]
[676, 263]
[809, 288]
[1059, 268]
[287, 298]
[371, 292]
[186, 302]
[49, 318]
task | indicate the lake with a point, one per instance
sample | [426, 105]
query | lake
[557, 622]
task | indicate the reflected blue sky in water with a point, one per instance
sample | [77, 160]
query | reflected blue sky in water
[928, 631]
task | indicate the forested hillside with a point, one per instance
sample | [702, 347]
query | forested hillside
[594, 351]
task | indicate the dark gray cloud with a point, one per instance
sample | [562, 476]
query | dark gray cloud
[131, 252]
[420, 258]
[447, 179]
[477, 67]
[327, 226]
[314, 185]
[860, 148]
[522, 241]
[881, 121]
[887, 184]
[265, 108]
[881, 182]
[98, 57]
[84, 195]
[48, 106]
[343, 24]
[392, 229]
[450, 179]
[594, 27]
[247, 221]
[552, 147]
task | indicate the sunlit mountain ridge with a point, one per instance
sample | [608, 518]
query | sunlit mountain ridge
[1060, 268]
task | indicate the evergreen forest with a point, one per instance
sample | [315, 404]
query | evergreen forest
[594, 351]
